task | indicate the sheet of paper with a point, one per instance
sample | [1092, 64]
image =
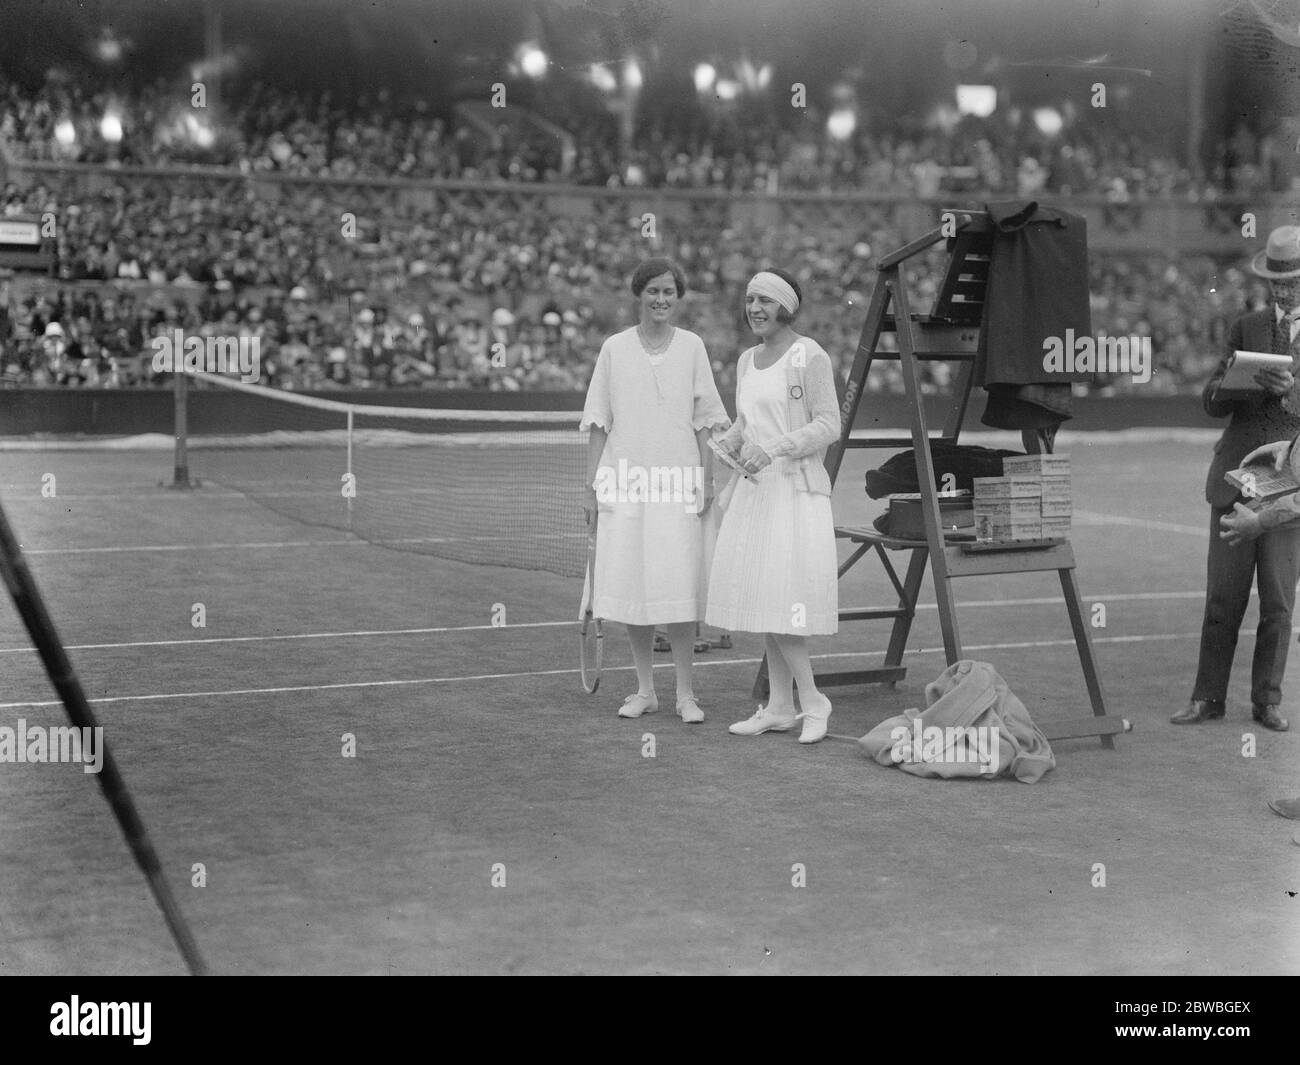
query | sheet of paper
[1246, 364]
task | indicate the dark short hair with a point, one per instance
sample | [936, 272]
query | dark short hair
[651, 268]
[782, 315]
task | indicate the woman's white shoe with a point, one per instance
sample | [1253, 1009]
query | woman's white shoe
[814, 721]
[689, 710]
[764, 721]
[636, 705]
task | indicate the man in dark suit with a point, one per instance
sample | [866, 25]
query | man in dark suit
[1247, 523]
[1262, 415]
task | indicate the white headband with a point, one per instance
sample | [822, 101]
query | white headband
[768, 284]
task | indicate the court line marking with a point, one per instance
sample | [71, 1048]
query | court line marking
[293, 490]
[298, 636]
[165, 442]
[194, 547]
[20, 492]
[1087, 517]
[343, 541]
[417, 681]
[359, 633]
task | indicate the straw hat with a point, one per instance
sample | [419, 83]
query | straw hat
[1281, 258]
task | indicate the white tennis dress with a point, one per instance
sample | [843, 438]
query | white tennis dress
[774, 567]
[651, 562]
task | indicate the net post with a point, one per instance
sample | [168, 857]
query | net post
[181, 470]
[350, 422]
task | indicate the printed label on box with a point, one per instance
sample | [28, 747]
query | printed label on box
[1010, 509]
[1039, 464]
[1007, 488]
[987, 528]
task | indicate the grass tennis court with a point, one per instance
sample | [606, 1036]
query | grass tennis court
[476, 746]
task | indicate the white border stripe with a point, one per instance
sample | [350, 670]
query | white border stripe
[193, 547]
[443, 629]
[345, 541]
[298, 636]
[1078, 438]
[155, 697]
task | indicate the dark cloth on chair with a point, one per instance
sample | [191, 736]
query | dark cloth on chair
[1273, 559]
[964, 462]
[1037, 288]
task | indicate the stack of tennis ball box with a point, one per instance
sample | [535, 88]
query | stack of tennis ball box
[1030, 501]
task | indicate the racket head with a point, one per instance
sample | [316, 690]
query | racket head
[591, 631]
[591, 652]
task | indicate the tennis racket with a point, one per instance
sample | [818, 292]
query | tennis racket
[725, 457]
[591, 634]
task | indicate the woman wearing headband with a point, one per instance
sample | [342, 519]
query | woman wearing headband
[774, 568]
[650, 408]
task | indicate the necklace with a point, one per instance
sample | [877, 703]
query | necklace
[652, 349]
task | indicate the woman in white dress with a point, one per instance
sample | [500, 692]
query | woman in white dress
[651, 406]
[774, 568]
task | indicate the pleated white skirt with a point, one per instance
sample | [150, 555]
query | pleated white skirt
[774, 566]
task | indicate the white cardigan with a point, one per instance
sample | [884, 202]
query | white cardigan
[813, 410]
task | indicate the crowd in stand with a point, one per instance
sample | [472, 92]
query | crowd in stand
[467, 318]
[757, 147]
[486, 293]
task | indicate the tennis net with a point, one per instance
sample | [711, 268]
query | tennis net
[497, 488]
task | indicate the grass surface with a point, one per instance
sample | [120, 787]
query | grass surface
[475, 745]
